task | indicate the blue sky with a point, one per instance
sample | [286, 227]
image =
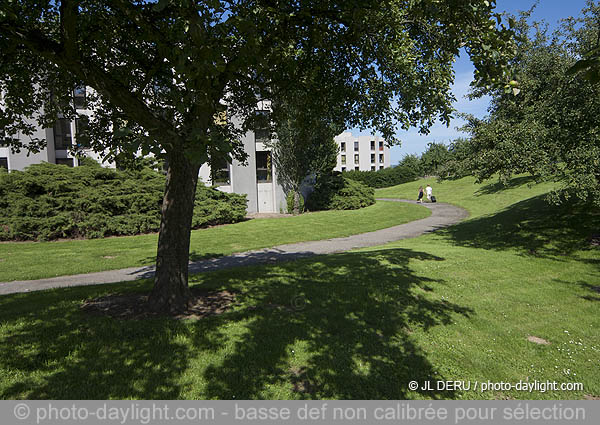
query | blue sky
[413, 143]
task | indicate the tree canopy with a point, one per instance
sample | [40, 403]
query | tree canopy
[549, 129]
[181, 78]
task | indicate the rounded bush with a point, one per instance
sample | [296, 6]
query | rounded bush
[336, 192]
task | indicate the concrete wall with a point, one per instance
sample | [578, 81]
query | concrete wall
[19, 161]
[243, 176]
[262, 197]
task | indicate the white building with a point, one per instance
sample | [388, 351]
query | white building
[257, 179]
[60, 141]
[364, 153]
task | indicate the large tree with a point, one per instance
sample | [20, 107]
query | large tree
[173, 77]
[546, 122]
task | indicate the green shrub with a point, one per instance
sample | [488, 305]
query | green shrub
[383, 178]
[336, 192]
[48, 201]
[290, 202]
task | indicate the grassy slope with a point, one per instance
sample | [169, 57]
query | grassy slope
[455, 305]
[478, 199]
[36, 260]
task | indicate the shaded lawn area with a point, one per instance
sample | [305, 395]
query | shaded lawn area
[36, 260]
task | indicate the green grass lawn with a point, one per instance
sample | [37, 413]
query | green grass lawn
[458, 304]
[36, 260]
[479, 199]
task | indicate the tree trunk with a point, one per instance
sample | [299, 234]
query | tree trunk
[171, 293]
[296, 202]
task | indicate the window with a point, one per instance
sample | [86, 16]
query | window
[356, 158]
[65, 161]
[372, 168]
[381, 167]
[372, 158]
[262, 127]
[380, 157]
[343, 169]
[343, 146]
[263, 167]
[372, 145]
[343, 159]
[356, 168]
[355, 146]
[4, 163]
[380, 146]
[219, 172]
[62, 134]
[81, 126]
[79, 97]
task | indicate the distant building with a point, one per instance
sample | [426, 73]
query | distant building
[364, 153]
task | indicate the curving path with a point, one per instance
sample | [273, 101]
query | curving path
[442, 215]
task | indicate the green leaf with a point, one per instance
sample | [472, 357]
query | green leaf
[161, 5]
[580, 65]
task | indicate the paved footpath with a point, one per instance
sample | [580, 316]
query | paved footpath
[442, 215]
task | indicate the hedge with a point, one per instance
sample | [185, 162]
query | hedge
[336, 192]
[383, 178]
[48, 201]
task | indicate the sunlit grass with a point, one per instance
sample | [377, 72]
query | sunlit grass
[36, 260]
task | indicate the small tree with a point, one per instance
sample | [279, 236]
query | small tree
[434, 158]
[304, 145]
[413, 163]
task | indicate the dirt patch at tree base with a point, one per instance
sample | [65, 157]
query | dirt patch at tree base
[135, 306]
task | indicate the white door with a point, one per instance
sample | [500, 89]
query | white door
[265, 198]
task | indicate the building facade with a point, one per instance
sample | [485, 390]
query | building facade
[57, 150]
[361, 153]
[60, 141]
[257, 178]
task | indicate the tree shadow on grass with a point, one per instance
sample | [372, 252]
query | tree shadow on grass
[332, 327]
[498, 186]
[533, 227]
[335, 327]
[594, 291]
[52, 350]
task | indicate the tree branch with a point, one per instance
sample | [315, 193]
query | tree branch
[119, 94]
[68, 27]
